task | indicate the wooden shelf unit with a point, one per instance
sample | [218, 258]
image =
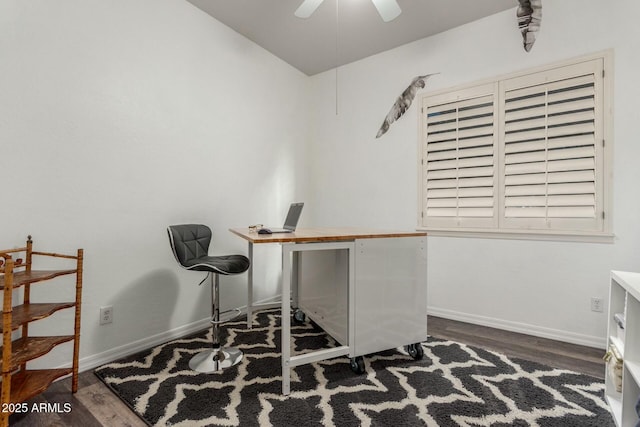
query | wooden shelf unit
[624, 297]
[19, 383]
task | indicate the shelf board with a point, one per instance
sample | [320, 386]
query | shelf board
[21, 278]
[29, 383]
[629, 281]
[634, 370]
[26, 313]
[25, 349]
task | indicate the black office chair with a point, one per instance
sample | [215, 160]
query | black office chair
[190, 245]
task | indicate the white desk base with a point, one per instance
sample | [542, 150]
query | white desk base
[288, 261]
[386, 295]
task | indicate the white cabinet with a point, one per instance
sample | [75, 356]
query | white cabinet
[390, 292]
[624, 297]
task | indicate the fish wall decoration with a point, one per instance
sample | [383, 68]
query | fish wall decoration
[403, 102]
[529, 15]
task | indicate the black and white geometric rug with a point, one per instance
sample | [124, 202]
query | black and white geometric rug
[453, 385]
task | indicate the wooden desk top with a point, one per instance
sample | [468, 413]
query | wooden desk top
[321, 234]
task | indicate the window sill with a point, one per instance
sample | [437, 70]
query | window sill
[583, 237]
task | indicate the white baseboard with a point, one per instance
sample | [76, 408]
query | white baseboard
[523, 328]
[99, 359]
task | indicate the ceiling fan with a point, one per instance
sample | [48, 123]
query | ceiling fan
[388, 9]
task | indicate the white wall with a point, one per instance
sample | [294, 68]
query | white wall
[538, 287]
[118, 118]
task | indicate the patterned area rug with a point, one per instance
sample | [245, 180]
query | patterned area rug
[453, 385]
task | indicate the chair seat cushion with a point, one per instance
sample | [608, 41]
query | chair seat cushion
[223, 264]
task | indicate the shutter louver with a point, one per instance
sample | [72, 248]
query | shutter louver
[550, 150]
[460, 161]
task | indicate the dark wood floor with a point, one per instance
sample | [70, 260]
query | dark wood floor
[586, 360]
[95, 405]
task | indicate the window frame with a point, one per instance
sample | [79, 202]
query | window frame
[461, 227]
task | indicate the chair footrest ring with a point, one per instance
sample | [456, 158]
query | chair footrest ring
[227, 316]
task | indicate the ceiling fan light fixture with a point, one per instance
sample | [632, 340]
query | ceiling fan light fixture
[307, 8]
[388, 9]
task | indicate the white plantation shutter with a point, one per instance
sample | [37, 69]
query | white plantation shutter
[459, 159]
[520, 155]
[552, 150]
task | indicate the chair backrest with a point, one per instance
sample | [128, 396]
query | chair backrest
[189, 242]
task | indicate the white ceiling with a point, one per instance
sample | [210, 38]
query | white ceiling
[310, 44]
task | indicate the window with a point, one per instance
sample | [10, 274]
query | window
[522, 155]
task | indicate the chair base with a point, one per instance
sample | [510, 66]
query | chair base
[213, 360]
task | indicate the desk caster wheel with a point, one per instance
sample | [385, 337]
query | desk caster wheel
[298, 316]
[415, 350]
[357, 365]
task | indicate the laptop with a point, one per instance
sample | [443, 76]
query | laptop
[291, 222]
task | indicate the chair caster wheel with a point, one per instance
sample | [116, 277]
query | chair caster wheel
[299, 316]
[415, 350]
[357, 365]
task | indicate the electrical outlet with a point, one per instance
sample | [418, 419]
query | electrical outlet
[596, 304]
[106, 314]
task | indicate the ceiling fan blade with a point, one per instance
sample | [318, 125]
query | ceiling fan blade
[307, 8]
[388, 9]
